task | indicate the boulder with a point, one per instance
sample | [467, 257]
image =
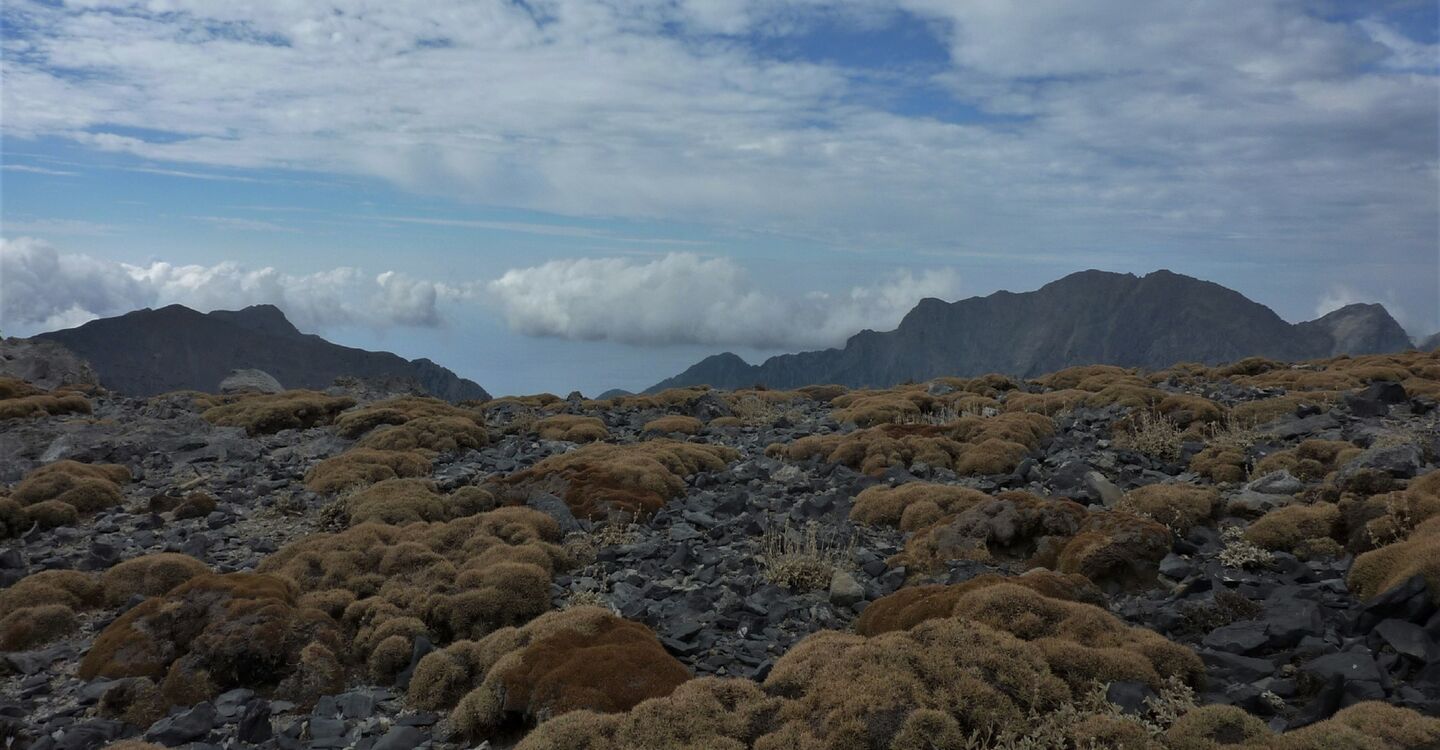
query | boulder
[250, 381]
[44, 364]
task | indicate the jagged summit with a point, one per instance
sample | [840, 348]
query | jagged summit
[1089, 317]
[150, 351]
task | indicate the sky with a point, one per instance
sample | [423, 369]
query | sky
[553, 195]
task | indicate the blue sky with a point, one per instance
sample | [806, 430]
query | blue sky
[557, 195]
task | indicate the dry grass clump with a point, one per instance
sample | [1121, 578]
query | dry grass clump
[58, 494]
[21, 400]
[1298, 529]
[535, 401]
[1048, 403]
[637, 478]
[1311, 460]
[460, 579]
[1177, 506]
[1375, 520]
[136, 701]
[802, 560]
[1379, 570]
[571, 428]
[263, 414]
[869, 408]
[402, 410]
[997, 671]
[1371, 725]
[71, 588]
[1265, 410]
[437, 434]
[1151, 434]
[823, 393]
[913, 505]
[1208, 727]
[218, 632]
[29, 627]
[1114, 549]
[13, 520]
[969, 445]
[50, 514]
[1220, 463]
[912, 605]
[583, 658]
[673, 423]
[1095, 377]
[1008, 526]
[149, 575]
[42, 606]
[403, 501]
[1247, 366]
[361, 466]
[1082, 642]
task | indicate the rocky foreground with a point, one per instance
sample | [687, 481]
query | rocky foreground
[1191, 558]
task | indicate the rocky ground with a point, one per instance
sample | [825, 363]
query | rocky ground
[1280, 634]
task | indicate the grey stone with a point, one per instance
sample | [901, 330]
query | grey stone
[556, 508]
[400, 737]
[44, 364]
[1237, 638]
[254, 726]
[1276, 483]
[1402, 461]
[1103, 489]
[90, 734]
[1293, 427]
[1406, 638]
[1248, 502]
[356, 705]
[1349, 665]
[186, 726]
[1175, 567]
[250, 380]
[1129, 695]
[844, 589]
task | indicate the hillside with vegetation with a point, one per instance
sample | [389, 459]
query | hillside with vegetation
[1198, 555]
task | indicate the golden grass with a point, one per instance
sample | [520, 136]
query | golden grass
[262, 414]
[361, 466]
[635, 479]
[571, 428]
[459, 579]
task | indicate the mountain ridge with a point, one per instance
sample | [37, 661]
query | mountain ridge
[1088, 317]
[149, 351]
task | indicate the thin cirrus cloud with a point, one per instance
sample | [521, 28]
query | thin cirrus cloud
[687, 298]
[683, 298]
[42, 288]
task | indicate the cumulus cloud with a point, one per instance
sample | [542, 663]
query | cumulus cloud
[683, 298]
[1091, 121]
[42, 288]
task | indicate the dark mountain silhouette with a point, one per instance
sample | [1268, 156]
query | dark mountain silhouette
[1091, 317]
[146, 352]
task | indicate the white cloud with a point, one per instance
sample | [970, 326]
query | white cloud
[1138, 121]
[37, 170]
[1336, 297]
[44, 289]
[682, 298]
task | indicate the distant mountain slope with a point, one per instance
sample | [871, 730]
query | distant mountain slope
[1429, 343]
[1091, 317]
[146, 352]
